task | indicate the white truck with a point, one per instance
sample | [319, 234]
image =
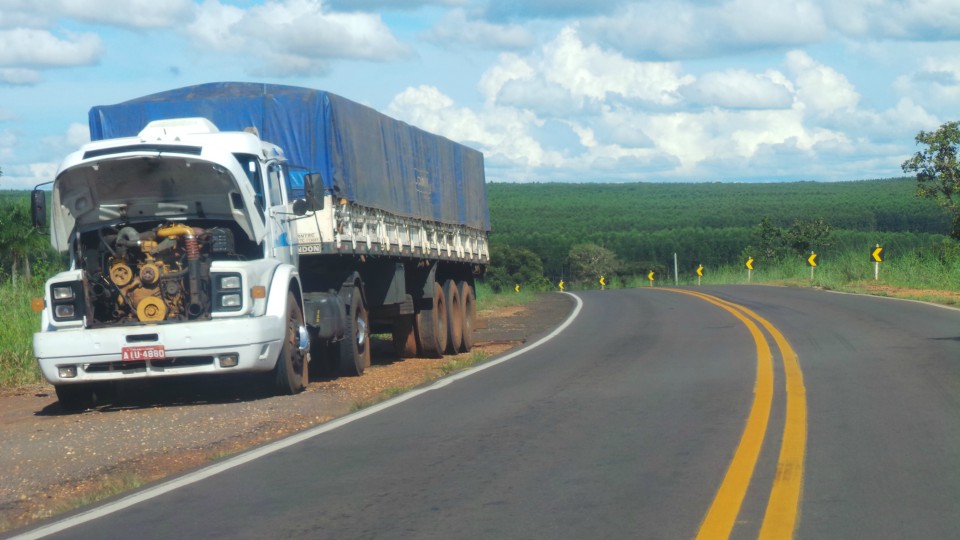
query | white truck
[197, 247]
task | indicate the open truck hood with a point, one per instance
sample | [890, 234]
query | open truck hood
[100, 184]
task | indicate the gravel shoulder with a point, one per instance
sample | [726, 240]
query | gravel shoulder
[52, 462]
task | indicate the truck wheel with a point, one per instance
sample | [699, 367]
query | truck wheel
[468, 301]
[75, 397]
[454, 317]
[404, 337]
[291, 374]
[355, 346]
[432, 326]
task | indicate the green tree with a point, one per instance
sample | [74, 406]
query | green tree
[19, 241]
[511, 266]
[589, 261]
[937, 169]
[805, 235]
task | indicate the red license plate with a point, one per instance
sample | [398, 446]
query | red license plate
[148, 352]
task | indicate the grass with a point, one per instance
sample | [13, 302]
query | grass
[17, 364]
[488, 300]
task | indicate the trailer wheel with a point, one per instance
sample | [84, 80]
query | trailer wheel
[355, 346]
[404, 337]
[432, 326]
[454, 317]
[468, 301]
[75, 397]
[291, 374]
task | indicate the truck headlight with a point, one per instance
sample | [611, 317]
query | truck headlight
[62, 292]
[230, 282]
[66, 301]
[227, 292]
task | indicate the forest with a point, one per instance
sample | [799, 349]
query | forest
[644, 224]
[544, 232]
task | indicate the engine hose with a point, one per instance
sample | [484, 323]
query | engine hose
[193, 262]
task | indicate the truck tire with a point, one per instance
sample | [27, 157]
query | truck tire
[291, 373]
[454, 317]
[432, 326]
[404, 337]
[355, 345]
[468, 303]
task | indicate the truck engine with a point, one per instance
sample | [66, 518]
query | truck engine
[151, 274]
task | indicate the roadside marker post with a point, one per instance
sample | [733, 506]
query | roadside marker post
[812, 262]
[749, 268]
[699, 274]
[650, 277]
[876, 257]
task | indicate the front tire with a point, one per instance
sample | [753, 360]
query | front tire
[291, 374]
[75, 397]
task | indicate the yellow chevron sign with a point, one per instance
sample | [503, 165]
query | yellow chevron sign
[812, 259]
[750, 263]
[876, 255]
[700, 271]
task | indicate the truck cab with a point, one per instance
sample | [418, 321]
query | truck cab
[182, 257]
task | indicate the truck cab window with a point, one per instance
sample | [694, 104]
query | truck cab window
[275, 179]
[250, 166]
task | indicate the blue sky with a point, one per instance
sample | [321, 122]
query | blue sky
[549, 90]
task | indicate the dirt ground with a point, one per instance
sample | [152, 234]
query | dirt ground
[52, 462]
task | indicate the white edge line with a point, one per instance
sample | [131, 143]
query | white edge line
[257, 453]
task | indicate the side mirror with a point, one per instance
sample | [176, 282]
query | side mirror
[313, 188]
[38, 208]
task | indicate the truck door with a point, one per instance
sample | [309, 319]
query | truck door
[282, 238]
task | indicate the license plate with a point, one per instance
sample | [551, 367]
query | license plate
[147, 352]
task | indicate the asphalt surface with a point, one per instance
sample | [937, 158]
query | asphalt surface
[622, 426]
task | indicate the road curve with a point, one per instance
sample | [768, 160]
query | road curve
[624, 425]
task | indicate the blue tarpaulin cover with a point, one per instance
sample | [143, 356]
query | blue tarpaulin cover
[364, 156]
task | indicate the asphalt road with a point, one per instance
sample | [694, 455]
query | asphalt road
[632, 422]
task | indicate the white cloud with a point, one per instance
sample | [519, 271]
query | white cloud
[294, 37]
[381, 5]
[128, 13]
[740, 89]
[686, 29]
[566, 73]
[19, 76]
[25, 47]
[502, 133]
[905, 20]
[25, 175]
[821, 89]
[935, 83]
[456, 28]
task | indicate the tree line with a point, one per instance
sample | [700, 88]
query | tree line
[631, 229]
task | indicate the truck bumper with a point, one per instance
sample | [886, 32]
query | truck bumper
[189, 348]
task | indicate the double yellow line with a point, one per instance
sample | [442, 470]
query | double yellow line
[783, 506]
